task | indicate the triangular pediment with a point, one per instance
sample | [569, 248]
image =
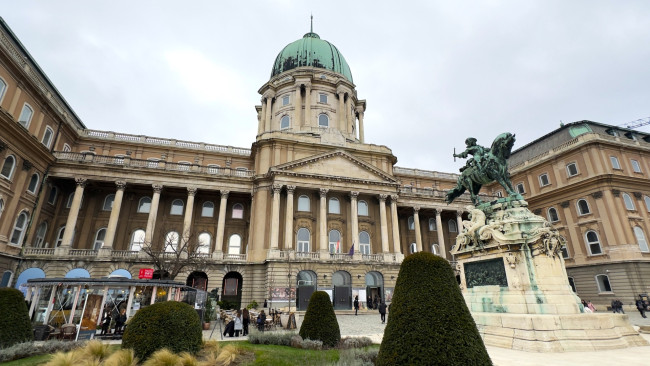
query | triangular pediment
[338, 165]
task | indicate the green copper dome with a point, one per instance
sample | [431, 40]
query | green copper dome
[311, 51]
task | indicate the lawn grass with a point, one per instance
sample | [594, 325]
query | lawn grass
[29, 361]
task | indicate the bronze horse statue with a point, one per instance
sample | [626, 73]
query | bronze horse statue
[493, 167]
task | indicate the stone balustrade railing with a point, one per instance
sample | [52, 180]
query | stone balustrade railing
[424, 173]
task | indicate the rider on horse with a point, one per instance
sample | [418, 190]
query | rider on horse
[476, 150]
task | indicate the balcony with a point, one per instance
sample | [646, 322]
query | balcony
[277, 254]
[125, 255]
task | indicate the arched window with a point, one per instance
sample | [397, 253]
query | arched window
[59, 236]
[47, 137]
[411, 223]
[26, 115]
[171, 241]
[68, 202]
[364, 242]
[413, 248]
[39, 239]
[583, 207]
[19, 229]
[603, 283]
[108, 202]
[177, 207]
[593, 243]
[33, 183]
[629, 204]
[564, 249]
[234, 244]
[51, 199]
[432, 224]
[284, 122]
[144, 205]
[205, 239]
[99, 238]
[335, 241]
[208, 209]
[77, 273]
[303, 203]
[452, 226]
[8, 167]
[362, 208]
[137, 240]
[323, 120]
[3, 88]
[120, 273]
[552, 215]
[640, 239]
[302, 240]
[6, 276]
[435, 249]
[334, 206]
[2, 206]
[238, 211]
[615, 163]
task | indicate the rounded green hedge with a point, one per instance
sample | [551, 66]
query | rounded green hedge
[320, 321]
[170, 324]
[428, 321]
[15, 326]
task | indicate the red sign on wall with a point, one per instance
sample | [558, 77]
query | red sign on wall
[146, 273]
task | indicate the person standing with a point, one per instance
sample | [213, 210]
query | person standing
[356, 304]
[591, 306]
[382, 311]
[261, 321]
[119, 322]
[239, 323]
[640, 305]
[246, 317]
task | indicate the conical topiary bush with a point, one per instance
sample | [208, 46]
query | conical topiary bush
[428, 321]
[320, 321]
[15, 326]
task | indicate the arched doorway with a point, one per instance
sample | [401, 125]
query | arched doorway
[342, 283]
[198, 280]
[160, 274]
[305, 286]
[120, 273]
[77, 273]
[232, 285]
[374, 289]
[28, 274]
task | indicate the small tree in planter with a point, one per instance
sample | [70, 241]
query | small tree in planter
[208, 313]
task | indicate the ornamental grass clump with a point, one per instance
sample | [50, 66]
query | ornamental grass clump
[428, 320]
[170, 324]
[320, 321]
[15, 326]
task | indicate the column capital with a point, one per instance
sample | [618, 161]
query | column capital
[81, 182]
[382, 197]
[394, 197]
[277, 188]
[438, 211]
[416, 209]
[360, 109]
[354, 194]
[290, 189]
[120, 184]
[323, 192]
[191, 191]
[225, 193]
[157, 188]
[459, 212]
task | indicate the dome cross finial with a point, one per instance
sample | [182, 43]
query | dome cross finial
[311, 27]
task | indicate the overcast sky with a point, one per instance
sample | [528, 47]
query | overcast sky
[432, 72]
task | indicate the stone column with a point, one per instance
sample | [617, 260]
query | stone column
[416, 221]
[288, 224]
[298, 107]
[441, 236]
[354, 214]
[275, 216]
[397, 248]
[384, 222]
[269, 113]
[348, 112]
[262, 124]
[189, 210]
[221, 221]
[322, 221]
[153, 214]
[70, 224]
[115, 214]
[307, 120]
[341, 110]
[360, 111]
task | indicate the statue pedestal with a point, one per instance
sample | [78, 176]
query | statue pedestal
[515, 284]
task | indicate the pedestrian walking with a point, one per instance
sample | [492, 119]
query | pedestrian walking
[239, 323]
[261, 320]
[640, 305]
[356, 304]
[246, 317]
[382, 311]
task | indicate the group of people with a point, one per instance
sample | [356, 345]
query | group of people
[241, 321]
[617, 306]
[380, 305]
[120, 321]
[588, 306]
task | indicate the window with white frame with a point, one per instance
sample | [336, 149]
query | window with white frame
[208, 209]
[238, 211]
[452, 226]
[284, 122]
[99, 238]
[234, 244]
[334, 237]
[640, 239]
[8, 167]
[636, 167]
[322, 98]
[204, 241]
[39, 239]
[19, 229]
[603, 283]
[629, 204]
[285, 100]
[108, 202]
[543, 180]
[33, 183]
[593, 243]
[302, 240]
[51, 199]
[520, 188]
[47, 137]
[26, 115]
[323, 120]
[572, 284]
[432, 224]
[334, 206]
[144, 204]
[615, 163]
[411, 223]
[552, 215]
[171, 241]
[435, 249]
[583, 207]
[364, 242]
[646, 199]
[213, 169]
[413, 248]
[572, 169]
[303, 203]
[177, 207]
[2, 206]
[66, 148]
[362, 208]
[137, 240]
[3, 88]
[59, 237]
[564, 249]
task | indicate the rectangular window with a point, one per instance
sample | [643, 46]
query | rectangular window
[285, 100]
[636, 166]
[322, 98]
[572, 169]
[543, 180]
[615, 163]
[520, 188]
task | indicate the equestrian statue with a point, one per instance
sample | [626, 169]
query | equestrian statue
[485, 166]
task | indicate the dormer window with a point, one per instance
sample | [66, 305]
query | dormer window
[612, 132]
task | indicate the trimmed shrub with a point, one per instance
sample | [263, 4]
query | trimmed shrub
[15, 326]
[428, 322]
[320, 321]
[172, 325]
[280, 338]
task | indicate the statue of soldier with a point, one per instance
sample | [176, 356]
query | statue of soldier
[477, 151]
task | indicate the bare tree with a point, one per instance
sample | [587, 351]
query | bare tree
[177, 253]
